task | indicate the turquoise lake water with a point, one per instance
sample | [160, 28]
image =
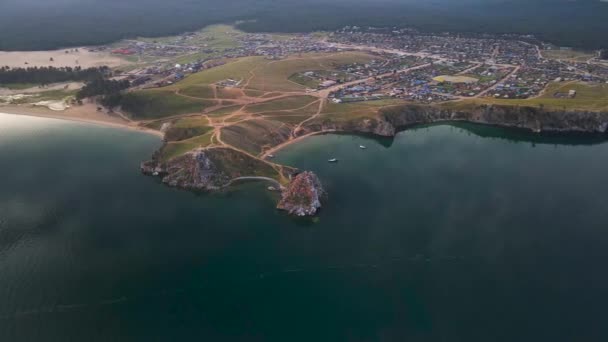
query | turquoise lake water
[446, 233]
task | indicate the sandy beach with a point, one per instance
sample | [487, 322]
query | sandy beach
[83, 58]
[86, 113]
[36, 90]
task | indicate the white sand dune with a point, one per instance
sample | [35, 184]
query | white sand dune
[57, 106]
[82, 58]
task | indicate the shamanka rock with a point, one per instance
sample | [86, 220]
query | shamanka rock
[302, 197]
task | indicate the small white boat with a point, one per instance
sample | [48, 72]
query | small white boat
[333, 160]
[270, 156]
[362, 147]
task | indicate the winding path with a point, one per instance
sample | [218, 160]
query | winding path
[254, 178]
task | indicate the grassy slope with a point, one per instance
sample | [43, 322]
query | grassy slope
[224, 111]
[236, 164]
[203, 92]
[304, 80]
[153, 104]
[254, 135]
[275, 75]
[175, 149]
[187, 128]
[271, 75]
[229, 93]
[348, 111]
[236, 69]
[289, 119]
[287, 103]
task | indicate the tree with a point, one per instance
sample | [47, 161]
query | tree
[108, 90]
[48, 75]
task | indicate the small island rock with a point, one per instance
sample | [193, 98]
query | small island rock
[302, 197]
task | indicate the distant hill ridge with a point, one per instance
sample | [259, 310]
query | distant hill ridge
[49, 24]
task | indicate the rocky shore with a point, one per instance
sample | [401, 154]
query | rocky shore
[207, 169]
[393, 119]
[536, 119]
[215, 168]
[302, 197]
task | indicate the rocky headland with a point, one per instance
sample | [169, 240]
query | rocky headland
[211, 169]
[302, 197]
[391, 120]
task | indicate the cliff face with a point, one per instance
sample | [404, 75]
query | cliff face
[392, 119]
[532, 118]
[303, 195]
[376, 126]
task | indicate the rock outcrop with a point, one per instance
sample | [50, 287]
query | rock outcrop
[536, 119]
[216, 168]
[302, 197]
[375, 126]
[207, 169]
[392, 119]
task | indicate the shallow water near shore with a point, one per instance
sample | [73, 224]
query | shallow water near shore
[467, 233]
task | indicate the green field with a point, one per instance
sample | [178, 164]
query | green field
[235, 164]
[307, 81]
[579, 56]
[236, 69]
[358, 109]
[287, 103]
[186, 128]
[289, 119]
[313, 82]
[589, 97]
[223, 111]
[175, 149]
[255, 135]
[200, 91]
[229, 93]
[154, 104]
[274, 76]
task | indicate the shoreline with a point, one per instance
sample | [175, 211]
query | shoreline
[63, 115]
[281, 146]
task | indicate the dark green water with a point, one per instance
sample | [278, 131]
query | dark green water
[441, 235]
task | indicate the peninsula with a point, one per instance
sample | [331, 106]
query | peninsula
[226, 101]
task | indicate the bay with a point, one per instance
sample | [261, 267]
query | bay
[446, 233]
